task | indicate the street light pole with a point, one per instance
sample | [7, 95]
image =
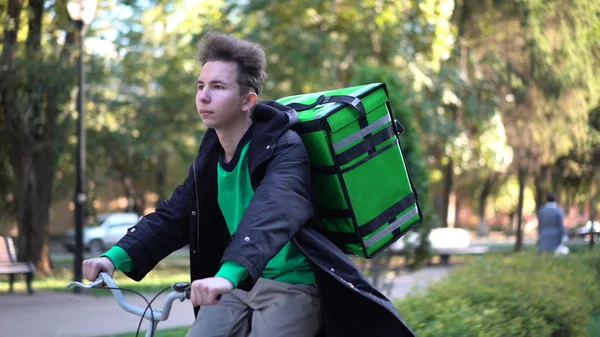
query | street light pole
[80, 196]
[592, 217]
[82, 13]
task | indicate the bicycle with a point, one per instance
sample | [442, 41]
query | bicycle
[181, 291]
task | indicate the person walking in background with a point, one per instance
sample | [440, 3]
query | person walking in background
[551, 228]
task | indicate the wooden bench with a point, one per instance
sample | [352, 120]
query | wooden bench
[446, 242]
[445, 253]
[9, 265]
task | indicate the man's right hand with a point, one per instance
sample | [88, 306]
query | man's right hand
[93, 267]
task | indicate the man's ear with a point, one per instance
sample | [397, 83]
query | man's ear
[250, 102]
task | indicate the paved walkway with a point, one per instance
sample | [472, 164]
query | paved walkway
[48, 314]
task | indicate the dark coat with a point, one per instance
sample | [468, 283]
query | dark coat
[280, 211]
[551, 228]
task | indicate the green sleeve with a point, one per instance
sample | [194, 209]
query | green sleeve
[233, 272]
[120, 259]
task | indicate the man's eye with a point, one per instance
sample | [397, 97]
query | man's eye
[219, 87]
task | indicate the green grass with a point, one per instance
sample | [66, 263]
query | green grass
[162, 276]
[67, 261]
[499, 248]
[594, 327]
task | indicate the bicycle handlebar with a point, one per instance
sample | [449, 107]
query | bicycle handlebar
[181, 291]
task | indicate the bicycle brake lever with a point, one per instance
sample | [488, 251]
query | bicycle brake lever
[99, 283]
[96, 284]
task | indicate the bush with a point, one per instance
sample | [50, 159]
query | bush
[522, 295]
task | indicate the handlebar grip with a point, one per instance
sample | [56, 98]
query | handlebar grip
[188, 293]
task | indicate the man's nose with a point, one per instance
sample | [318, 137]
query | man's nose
[203, 95]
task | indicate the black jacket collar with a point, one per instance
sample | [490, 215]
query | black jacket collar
[270, 120]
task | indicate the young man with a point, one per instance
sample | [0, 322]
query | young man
[245, 210]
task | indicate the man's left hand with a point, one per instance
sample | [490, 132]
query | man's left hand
[206, 291]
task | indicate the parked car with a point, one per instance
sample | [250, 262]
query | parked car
[103, 233]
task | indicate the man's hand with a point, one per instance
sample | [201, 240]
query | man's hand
[93, 267]
[205, 291]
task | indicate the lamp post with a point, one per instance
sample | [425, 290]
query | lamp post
[82, 13]
[592, 216]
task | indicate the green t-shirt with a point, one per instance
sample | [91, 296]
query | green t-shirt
[234, 195]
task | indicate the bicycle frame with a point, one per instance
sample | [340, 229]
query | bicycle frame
[180, 292]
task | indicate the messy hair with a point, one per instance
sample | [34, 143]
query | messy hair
[249, 56]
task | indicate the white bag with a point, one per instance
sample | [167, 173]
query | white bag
[561, 250]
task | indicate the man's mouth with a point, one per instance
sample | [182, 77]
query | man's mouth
[205, 112]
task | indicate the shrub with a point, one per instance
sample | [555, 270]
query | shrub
[525, 294]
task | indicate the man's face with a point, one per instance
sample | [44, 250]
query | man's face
[218, 100]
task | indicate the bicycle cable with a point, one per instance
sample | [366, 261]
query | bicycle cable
[148, 305]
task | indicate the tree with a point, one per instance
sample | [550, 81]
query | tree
[528, 49]
[35, 84]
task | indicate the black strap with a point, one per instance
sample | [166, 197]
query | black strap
[362, 147]
[387, 216]
[350, 100]
[310, 126]
[354, 102]
[371, 156]
[334, 169]
[341, 238]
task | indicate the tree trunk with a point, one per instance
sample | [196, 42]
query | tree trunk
[543, 185]
[161, 176]
[457, 206]
[33, 191]
[485, 192]
[12, 22]
[592, 218]
[134, 200]
[32, 163]
[32, 155]
[11, 28]
[7, 77]
[129, 192]
[522, 177]
[511, 224]
[460, 15]
[448, 172]
[34, 34]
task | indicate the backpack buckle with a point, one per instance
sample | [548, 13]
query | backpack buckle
[398, 127]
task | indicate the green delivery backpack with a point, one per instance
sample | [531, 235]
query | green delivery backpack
[363, 193]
